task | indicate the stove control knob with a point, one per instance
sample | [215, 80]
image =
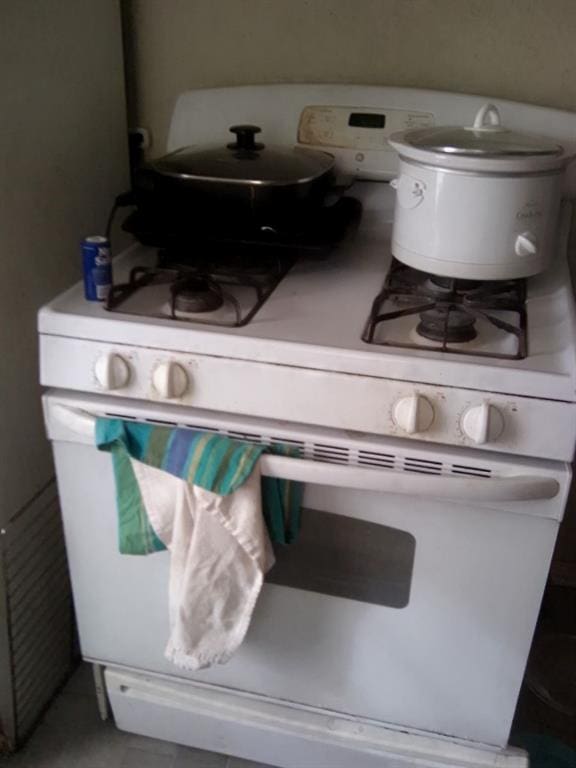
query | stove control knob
[483, 423]
[170, 380]
[413, 414]
[112, 371]
[526, 245]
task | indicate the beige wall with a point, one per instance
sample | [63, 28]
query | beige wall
[62, 161]
[516, 49]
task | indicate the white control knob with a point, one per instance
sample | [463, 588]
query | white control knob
[170, 380]
[111, 371]
[483, 423]
[413, 414]
[526, 244]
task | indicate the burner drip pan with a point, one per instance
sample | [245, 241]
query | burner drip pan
[447, 322]
[196, 294]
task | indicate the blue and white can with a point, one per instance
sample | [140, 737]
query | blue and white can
[97, 266]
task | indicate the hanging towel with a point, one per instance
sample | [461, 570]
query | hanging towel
[210, 460]
[199, 495]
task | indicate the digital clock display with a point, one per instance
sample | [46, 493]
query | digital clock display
[366, 120]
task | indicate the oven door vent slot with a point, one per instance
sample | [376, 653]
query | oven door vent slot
[245, 437]
[461, 469]
[122, 416]
[376, 459]
[422, 466]
[286, 441]
[298, 445]
[332, 454]
[162, 422]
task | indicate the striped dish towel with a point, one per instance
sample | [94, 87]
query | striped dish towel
[214, 462]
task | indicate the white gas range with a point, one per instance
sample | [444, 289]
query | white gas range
[436, 480]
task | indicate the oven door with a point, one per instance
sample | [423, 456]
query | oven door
[410, 596]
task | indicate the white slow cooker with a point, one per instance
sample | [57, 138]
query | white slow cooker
[480, 203]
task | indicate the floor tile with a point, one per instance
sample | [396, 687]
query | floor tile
[81, 683]
[11, 761]
[237, 762]
[67, 711]
[44, 750]
[198, 758]
[100, 747]
[146, 744]
[139, 758]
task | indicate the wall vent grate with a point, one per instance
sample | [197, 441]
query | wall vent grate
[39, 607]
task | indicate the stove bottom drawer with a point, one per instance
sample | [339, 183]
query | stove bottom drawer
[529, 427]
[277, 733]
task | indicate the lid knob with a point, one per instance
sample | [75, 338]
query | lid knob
[245, 138]
[487, 119]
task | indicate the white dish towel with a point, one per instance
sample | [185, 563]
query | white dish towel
[219, 552]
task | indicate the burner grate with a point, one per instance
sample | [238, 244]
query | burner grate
[223, 278]
[195, 291]
[447, 311]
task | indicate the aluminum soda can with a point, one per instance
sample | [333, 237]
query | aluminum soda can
[97, 267]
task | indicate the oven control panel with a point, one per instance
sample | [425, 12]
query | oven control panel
[358, 136]
[420, 412]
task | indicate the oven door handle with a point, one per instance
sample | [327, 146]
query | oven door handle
[476, 489]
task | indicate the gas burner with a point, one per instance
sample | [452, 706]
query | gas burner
[435, 289]
[448, 286]
[415, 310]
[446, 322]
[195, 294]
[211, 293]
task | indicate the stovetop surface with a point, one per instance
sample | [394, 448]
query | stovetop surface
[317, 315]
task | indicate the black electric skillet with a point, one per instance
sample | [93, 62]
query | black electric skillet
[233, 190]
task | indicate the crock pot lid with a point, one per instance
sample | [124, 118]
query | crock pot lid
[246, 161]
[486, 137]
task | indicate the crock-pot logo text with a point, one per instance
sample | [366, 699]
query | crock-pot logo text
[529, 212]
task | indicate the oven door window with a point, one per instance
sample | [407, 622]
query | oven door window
[347, 557]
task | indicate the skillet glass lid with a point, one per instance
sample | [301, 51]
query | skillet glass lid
[246, 161]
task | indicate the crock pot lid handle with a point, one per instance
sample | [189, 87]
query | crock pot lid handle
[487, 119]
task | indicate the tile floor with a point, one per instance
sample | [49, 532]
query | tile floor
[71, 735]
